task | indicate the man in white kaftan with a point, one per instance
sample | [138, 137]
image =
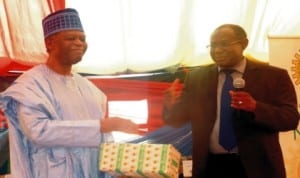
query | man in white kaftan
[57, 117]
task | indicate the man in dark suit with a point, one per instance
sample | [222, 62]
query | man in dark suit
[266, 106]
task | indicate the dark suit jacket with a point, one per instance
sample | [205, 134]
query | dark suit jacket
[257, 133]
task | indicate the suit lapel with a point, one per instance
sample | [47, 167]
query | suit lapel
[251, 75]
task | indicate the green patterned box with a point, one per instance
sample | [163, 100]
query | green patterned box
[139, 160]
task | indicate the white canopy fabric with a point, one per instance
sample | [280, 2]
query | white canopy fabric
[135, 36]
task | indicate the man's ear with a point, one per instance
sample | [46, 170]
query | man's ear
[244, 43]
[49, 43]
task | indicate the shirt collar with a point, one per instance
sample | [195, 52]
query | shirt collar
[240, 67]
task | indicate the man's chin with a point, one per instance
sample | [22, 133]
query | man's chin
[221, 62]
[77, 60]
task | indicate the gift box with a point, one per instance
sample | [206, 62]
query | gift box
[139, 160]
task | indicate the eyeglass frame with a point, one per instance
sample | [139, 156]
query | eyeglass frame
[224, 45]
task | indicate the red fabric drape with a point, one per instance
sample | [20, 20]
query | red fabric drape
[126, 89]
[55, 5]
[7, 64]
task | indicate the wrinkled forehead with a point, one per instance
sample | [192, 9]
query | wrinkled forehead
[67, 34]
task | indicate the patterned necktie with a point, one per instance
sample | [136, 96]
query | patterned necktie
[226, 136]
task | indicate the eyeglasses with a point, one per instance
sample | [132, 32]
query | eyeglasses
[223, 44]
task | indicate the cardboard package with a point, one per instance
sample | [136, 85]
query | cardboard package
[139, 160]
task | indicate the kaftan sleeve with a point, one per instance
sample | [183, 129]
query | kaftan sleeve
[45, 132]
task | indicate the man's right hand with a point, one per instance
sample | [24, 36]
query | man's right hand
[118, 124]
[172, 94]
